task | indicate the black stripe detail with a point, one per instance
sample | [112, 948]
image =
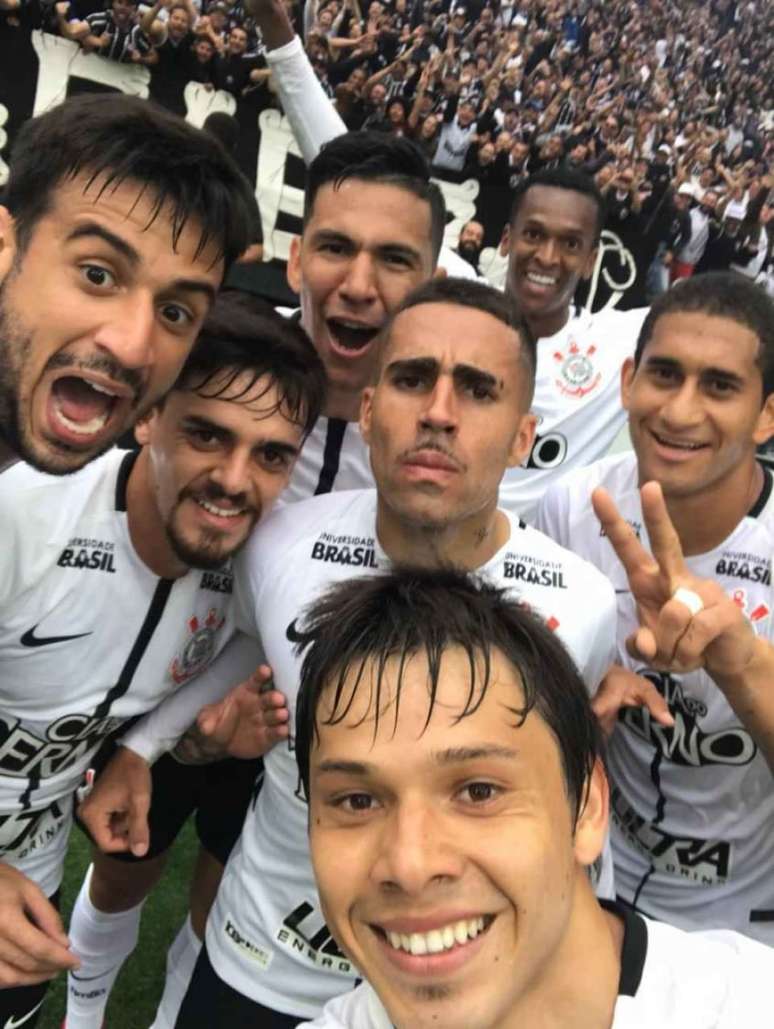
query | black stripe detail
[765, 493]
[334, 438]
[634, 949]
[655, 776]
[152, 619]
[124, 471]
[762, 915]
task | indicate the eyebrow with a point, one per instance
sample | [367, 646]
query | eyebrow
[93, 230]
[449, 756]
[669, 364]
[198, 422]
[388, 248]
[463, 374]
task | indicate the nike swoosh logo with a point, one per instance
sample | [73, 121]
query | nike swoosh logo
[91, 978]
[623, 591]
[293, 635]
[13, 1022]
[29, 639]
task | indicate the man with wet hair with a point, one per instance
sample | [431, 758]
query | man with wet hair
[457, 797]
[120, 221]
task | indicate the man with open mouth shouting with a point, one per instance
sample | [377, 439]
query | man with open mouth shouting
[121, 221]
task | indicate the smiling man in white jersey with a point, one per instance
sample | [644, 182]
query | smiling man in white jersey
[454, 773]
[102, 614]
[692, 804]
[449, 411]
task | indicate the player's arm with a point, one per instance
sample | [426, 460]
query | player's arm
[33, 944]
[687, 622]
[312, 117]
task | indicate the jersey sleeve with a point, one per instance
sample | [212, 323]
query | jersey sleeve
[161, 728]
[313, 118]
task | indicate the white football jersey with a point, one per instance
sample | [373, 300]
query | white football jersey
[266, 936]
[577, 402]
[692, 806]
[334, 457]
[670, 979]
[89, 637]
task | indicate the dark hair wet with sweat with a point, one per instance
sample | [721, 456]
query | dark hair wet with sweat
[127, 139]
[359, 626]
[480, 297]
[238, 337]
[372, 156]
[719, 295]
[563, 178]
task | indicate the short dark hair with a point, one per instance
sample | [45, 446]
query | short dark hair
[721, 295]
[410, 611]
[481, 297]
[124, 138]
[239, 335]
[373, 156]
[563, 178]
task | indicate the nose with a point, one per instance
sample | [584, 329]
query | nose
[683, 408]
[359, 284]
[548, 252]
[127, 334]
[232, 472]
[440, 413]
[415, 850]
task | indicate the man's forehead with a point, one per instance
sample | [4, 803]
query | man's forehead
[705, 339]
[130, 203]
[482, 341]
[557, 205]
[365, 205]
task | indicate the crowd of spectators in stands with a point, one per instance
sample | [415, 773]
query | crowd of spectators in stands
[669, 103]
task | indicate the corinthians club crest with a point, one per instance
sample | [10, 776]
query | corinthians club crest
[577, 375]
[199, 647]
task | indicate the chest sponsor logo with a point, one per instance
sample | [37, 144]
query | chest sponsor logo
[24, 754]
[703, 862]
[357, 551]
[577, 375]
[548, 451]
[22, 832]
[199, 648]
[89, 555]
[687, 742]
[304, 933]
[750, 567]
[755, 612]
[522, 568]
[217, 582]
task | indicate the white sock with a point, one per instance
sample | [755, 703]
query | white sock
[181, 958]
[103, 942]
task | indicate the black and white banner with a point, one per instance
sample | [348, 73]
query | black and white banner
[40, 70]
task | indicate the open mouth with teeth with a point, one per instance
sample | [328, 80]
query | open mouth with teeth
[686, 446]
[81, 410]
[539, 281]
[350, 338]
[446, 938]
[217, 511]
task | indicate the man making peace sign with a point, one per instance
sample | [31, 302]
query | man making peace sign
[692, 802]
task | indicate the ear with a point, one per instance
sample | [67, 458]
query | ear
[366, 410]
[505, 241]
[293, 270]
[8, 245]
[592, 821]
[523, 440]
[143, 427]
[627, 377]
[764, 427]
[591, 261]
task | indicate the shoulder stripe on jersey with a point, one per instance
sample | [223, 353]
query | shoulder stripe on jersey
[634, 949]
[152, 619]
[124, 471]
[762, 915]
[334, 438]
[763, 496]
